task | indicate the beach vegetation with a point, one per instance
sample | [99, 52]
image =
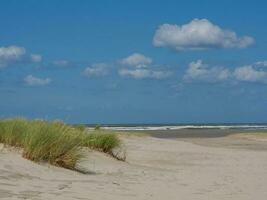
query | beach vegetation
[54, 142]
[102, 141]
[97, 127]
[80, 127]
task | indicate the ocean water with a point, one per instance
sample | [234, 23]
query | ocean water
[162, 127]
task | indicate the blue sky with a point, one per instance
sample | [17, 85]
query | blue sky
[134, 61]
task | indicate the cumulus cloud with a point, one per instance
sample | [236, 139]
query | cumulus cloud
[30, 80]
[15, 54]
[199, 34]
[144, 73]
[250, 74]
[10, 55]
[36, 58]
[98, 69]
[261, 63]
[139, 66]
[61, 63]
[199, 71]
[136, 60]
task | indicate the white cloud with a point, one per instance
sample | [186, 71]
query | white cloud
[10, 55]
[140, 68]
[144, 73]
[15, 54]
[198, 71]
[199, 34]
[30, 80]
[261, 63]
[202, 72]
[250, 74]
[61, 63]
[99, 69]
[136, 60]
[36, 58]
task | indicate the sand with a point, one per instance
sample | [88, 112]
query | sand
[156, 168]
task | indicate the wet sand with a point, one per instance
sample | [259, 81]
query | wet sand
[199, 133]
[224, 138]
[156, 168]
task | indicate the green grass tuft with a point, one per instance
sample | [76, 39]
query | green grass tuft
[80, 127]
[97, 127]
[13, 131]
[102, 141]
[54, 142]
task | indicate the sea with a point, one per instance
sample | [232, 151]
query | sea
[162, 127]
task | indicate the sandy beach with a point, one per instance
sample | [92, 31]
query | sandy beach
[218, 168]
[133, 100]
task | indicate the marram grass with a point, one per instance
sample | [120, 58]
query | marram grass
[53, 142]
[13, 131]
[101, 141]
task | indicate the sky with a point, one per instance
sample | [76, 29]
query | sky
[104, 61]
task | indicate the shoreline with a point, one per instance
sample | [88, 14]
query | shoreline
[230, 139]
[195, 133]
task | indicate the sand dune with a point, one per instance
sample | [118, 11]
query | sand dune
[155, 169]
